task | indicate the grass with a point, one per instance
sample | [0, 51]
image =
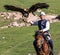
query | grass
[5, 22]
[54, 4]
[19, 41]
[55, 32]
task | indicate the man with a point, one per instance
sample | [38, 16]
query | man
[44, 26]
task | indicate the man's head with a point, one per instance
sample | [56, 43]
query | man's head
[42, 15]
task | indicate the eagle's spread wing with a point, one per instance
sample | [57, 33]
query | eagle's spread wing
[13, 8]
[36, 6]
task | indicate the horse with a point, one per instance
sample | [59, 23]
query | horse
[40, 44]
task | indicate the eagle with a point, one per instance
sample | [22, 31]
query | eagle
[25, 12]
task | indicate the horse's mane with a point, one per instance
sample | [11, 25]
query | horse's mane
[38, 33]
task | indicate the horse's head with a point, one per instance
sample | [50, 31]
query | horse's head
[39, 39]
